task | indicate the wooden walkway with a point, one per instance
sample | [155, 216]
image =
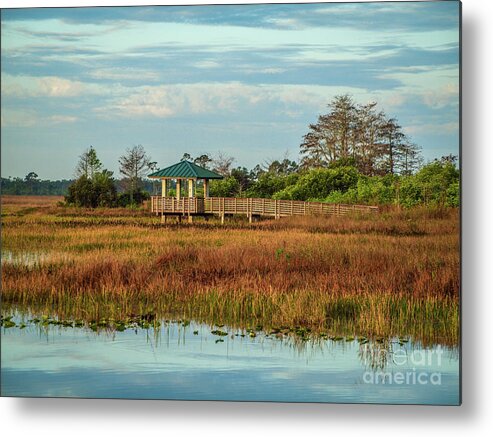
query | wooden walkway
[222, 206]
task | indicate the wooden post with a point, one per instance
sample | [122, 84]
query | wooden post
[206, 188]
[164, 187]
[178, 188]
[190, 188]
[221, 208]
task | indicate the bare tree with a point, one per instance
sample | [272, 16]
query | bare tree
[360, 134]
[333, 136]
[408, 158]
[134, 166]
[222, 164]
[368, 142]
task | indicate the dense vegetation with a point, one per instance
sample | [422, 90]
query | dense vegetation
[352, 154]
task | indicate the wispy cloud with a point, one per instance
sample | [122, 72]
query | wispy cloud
[51, 86]
[447, 94]
[124, 74]
[226, 74]
[30, 118]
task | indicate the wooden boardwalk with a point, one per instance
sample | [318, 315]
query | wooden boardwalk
[222, 206]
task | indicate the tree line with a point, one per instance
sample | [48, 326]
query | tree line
[353, 154]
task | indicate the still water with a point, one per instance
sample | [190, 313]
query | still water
[189, 362]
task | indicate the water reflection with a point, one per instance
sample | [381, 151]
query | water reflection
[31, 259]
[185, 361]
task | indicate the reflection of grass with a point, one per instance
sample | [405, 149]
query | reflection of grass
[394, 273]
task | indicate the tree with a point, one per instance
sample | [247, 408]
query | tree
[333, 136]
[243, 176]
[89, 164]
[227, 187]
[376, 143]
[203, 161]
[134, 166]
[319, 183]
[94, 187]
[32, 182]
[368, 144]
[104, 189]
[283, 167]
[81, 193]
[408, 158]
[436, 183]
[222, 164]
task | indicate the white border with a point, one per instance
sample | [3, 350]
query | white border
[31, 417]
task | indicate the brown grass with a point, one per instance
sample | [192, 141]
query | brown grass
[394, 273]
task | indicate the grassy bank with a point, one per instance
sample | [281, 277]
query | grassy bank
[396, 273]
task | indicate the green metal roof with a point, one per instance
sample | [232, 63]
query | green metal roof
[184, 170]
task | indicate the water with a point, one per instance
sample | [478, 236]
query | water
[30, 259]
[173, 362]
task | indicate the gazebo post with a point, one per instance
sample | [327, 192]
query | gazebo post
[163, 195]
[164, 188]
[190, 188]
[206, 188]
[178, 189]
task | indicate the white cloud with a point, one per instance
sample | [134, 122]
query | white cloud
[207, 64]
[30, 118]
[124, 74]
[59, 87]
[437, 87]
[165, 101]
[45, 86]
[16, 118]
[445, 95]
[58, 119]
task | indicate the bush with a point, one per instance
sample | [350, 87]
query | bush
[134, 198]
[453, 195]
[91, 193]
[320, 183]
[436, 183]
[81, 193]
[270, 183]
[227, 187]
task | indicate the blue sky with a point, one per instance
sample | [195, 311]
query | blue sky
[244, 80]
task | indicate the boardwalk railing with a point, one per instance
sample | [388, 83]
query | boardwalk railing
[250, 207]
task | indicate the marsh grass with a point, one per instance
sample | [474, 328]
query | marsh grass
[396, 273]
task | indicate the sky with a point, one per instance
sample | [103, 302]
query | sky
[243, 80]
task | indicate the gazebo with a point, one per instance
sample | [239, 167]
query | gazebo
[187, 172]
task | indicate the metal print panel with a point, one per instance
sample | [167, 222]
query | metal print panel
[252, 202]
